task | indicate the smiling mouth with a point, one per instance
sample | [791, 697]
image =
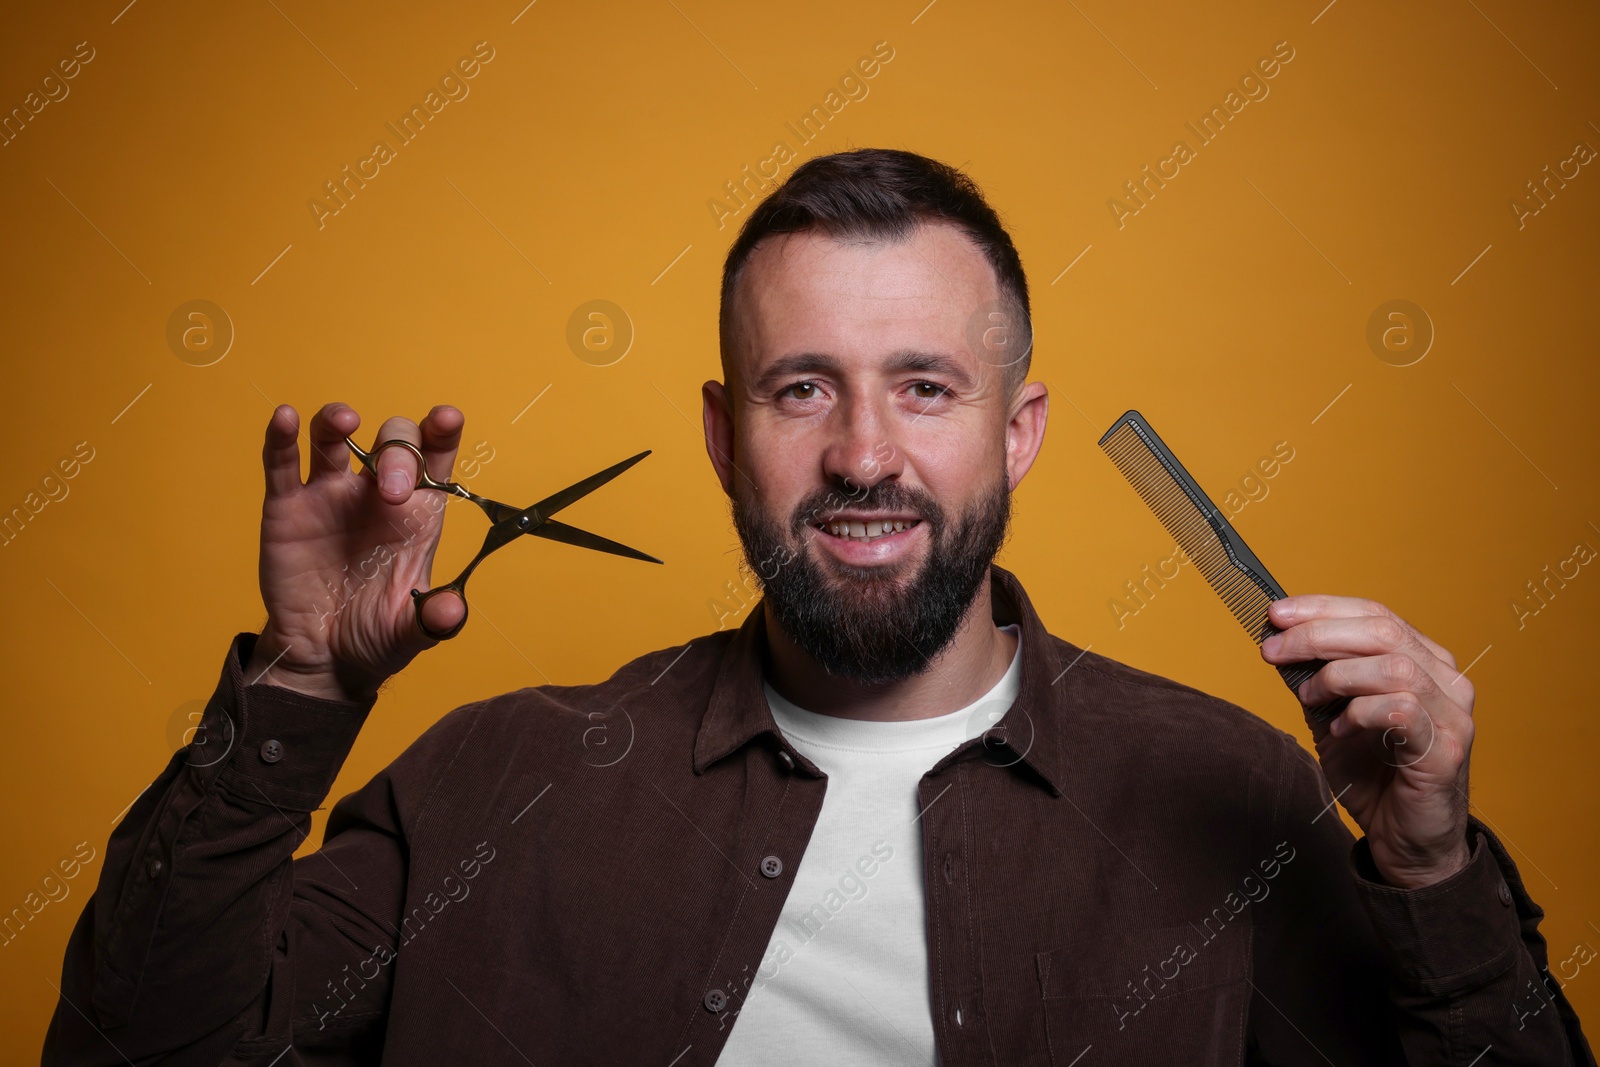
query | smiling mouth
[866, 531]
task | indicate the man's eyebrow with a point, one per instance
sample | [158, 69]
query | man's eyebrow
[930, 363]
[802, 363]
[799, 363]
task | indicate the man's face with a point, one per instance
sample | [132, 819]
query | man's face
[871, 452]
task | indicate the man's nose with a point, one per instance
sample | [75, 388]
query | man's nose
[862, 450]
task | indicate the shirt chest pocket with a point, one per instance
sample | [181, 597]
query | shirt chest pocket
[1174, 994]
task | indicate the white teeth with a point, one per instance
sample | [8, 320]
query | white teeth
[868, 531]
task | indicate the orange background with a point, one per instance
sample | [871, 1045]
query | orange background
[1232, 310]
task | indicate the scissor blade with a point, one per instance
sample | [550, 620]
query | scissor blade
[560, 531]
[578, 490]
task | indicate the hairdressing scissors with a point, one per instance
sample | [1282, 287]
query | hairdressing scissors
[509, 523]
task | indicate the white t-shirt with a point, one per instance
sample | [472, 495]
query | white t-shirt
[845, 976]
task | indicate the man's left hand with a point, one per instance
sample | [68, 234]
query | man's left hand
[1396, 757]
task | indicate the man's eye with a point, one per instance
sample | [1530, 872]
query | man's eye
[802, 390]
[928, 390]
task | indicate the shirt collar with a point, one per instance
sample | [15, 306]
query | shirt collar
[1028, 735]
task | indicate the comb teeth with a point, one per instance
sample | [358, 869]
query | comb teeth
[1188, 523]
[1200, 530]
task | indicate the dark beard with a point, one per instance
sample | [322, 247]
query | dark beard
[881, 624]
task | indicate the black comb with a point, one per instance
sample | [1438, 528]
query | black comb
[1200, 530]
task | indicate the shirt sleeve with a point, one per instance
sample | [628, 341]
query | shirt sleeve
[1459, 968]
[1470, 969]
[204, 937]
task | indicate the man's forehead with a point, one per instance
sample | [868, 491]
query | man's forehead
[809, 282]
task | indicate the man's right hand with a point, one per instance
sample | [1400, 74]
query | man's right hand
[341, 553]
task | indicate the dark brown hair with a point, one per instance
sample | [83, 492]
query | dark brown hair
[882, 193]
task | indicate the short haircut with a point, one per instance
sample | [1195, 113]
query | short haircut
[882, 194]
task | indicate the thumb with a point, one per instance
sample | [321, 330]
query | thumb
[440, 613]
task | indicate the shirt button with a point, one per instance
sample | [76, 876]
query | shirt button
[786, 759]
[153, 868]
[271, 751]
[772, 866]
[716, 1000]
[1505, 894]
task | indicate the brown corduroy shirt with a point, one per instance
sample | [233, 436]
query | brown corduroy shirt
[1123, 871]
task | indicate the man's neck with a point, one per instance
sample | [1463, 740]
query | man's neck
[967, 668]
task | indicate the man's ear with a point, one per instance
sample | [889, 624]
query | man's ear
[1025, 429]
[716, 411]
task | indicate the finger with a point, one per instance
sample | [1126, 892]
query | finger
[1400, 728]
[397, 467]
[1348, 637]
[1336, 638]
[1310, 607]
[1307, 607]
[441, 613]
[280, 453]
[441, 437]
[1394, 674]
[1443, 654]
[329, 427]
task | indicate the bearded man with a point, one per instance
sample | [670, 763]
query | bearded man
[889, 819]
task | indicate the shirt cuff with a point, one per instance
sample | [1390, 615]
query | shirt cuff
[1450, 937]
[277, 746]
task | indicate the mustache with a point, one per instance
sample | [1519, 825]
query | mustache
[822, 505]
